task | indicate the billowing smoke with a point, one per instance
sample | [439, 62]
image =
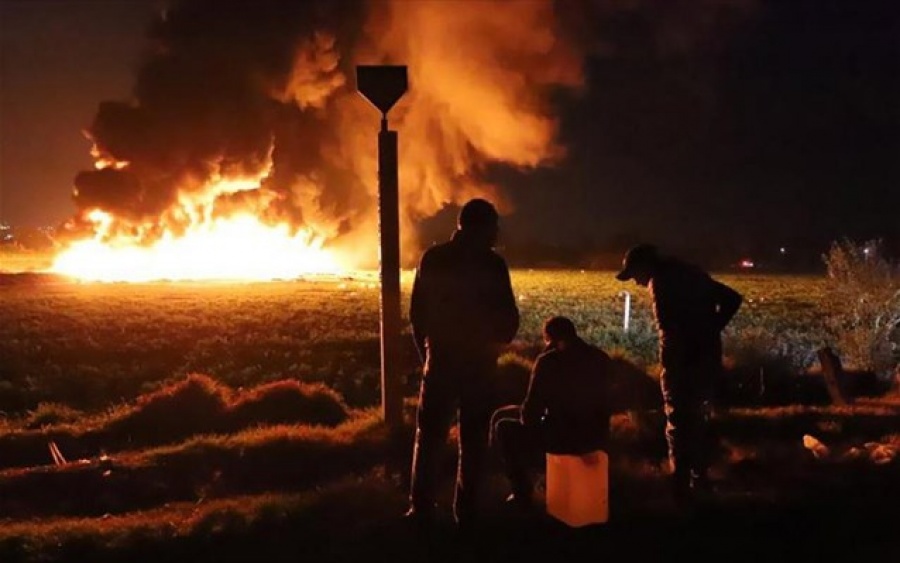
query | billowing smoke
[234, 89]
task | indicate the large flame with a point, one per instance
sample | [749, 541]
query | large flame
[263, 89]
[237, 247]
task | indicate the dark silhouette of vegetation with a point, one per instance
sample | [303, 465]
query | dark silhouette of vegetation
[193, 406]
[286, 402]
[244, 468]
[864, 305]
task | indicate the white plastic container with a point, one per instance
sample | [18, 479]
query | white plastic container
[578, 488]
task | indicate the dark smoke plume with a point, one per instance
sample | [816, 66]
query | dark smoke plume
[231, 89]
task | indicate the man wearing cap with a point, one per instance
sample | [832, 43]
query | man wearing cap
[691, 309]
[462, 312]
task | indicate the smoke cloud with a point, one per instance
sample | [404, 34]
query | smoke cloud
[229, 90]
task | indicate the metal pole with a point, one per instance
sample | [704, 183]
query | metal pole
[383, 85]
[389, 229]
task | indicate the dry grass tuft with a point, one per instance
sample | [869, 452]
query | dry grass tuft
[196, 405]
[285, 402]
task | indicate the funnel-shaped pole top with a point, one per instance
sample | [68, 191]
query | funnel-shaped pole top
[382, 85]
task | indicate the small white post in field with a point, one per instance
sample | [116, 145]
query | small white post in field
[626, 322]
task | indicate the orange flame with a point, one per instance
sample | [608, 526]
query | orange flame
[481, 77]
[237, 247]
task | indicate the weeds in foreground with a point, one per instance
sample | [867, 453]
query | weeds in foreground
[864, 305]
[193, 406]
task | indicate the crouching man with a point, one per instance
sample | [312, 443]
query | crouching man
[566, 408]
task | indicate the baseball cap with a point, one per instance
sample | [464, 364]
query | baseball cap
[637, 258]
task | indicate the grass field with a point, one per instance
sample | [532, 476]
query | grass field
[92, 345]
[277, 452]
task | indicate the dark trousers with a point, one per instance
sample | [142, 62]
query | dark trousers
[460, 387]
[521, 448]
[687, 392]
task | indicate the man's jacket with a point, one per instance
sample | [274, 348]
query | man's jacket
[568, 399]
[691, 309]
[462, 301]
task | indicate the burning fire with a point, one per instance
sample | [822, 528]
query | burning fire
[245, 151]
[237, 247]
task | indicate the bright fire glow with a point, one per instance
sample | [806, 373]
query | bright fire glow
[236, 247]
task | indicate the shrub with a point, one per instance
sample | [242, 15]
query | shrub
[864, 305]
[760, 370]
[50, 414]
[195, 405]
[287, 402]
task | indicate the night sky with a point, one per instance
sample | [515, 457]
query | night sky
[777, 127]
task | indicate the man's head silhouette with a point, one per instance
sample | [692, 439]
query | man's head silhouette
[559, 331]
[479, 220]
[639, 264]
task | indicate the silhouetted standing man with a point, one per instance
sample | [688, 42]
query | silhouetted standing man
[462, 312]
[691, 310]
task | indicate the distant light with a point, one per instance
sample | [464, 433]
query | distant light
[866, 251]
[782, 250]
[747, 263]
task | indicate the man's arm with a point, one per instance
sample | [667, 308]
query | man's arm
[418, 310]
[535, 402]
[728, 302]
[507, 319]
